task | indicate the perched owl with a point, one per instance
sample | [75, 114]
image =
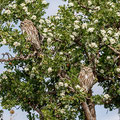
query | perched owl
[86, 78]
[33, 37]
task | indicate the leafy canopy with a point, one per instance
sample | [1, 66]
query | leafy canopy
[82, 33]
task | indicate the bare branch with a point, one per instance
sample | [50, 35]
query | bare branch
[87, 8]
[21, 57]
[114, 50]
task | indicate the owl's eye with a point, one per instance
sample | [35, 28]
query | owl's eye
[21, 24]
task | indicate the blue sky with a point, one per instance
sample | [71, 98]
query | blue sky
[102, 114]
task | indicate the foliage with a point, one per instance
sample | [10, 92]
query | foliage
[82, 33]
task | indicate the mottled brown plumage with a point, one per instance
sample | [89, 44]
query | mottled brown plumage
[86, 78]
[33, 37]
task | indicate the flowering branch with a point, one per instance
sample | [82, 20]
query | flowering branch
[82, 6]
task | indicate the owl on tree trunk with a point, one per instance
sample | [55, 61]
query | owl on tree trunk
[86, 78]
[33, 36]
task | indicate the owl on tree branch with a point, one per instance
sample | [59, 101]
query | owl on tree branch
[33, 36]
[86, 78]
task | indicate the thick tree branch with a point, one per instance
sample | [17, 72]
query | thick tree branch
[77, 41]
[37, 110]
[91, 105]
[86, 111]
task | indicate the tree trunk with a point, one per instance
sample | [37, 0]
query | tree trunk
[89, 108]
[92, 106]
[88, 115]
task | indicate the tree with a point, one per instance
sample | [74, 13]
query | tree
[82, 34]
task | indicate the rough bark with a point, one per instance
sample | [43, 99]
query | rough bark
[88, 115]
[89, 108]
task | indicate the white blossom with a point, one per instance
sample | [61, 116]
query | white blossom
[104, 39]
[4, 76]
[29, 1]
[66, 85]
[109, 32]
[90, 29]
[40, 26]
[66, 106]
[33, 17]
[61, 53]
[118, 69]
[84, 25]
[96, 21]
[14, 6]
[76, 21]
[102, 71]
[74, 33]
[33, 69]
[117, 34]
[112, 6]
[9, 70]
[10, 5]
[3, 42]
[112, 41]
[7, 12]
[72, 109]
[70, 4]
[16, 44]
[26, 69]
[93, 45]
[22, 4]
[32, 75]
[62, 94]
[89, 2]
[76, 26]
[1, 98]
[44, 2]
[50, 70]
[50, 34]
[106, 96]
[28, 13]
[45, 30]
[49, 40]
[45, 35]
[41, 21]
[81, 89]
[57, 17]
[48, 21]
[25, 8]
[60, 84]
[62, 111]
[96, 61]
[108, 57]
[77, 87]
[103, 32]
[118, 14]
[98, 7]
[72, 36]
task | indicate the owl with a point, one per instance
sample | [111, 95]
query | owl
[33, 37]
[86, 78]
